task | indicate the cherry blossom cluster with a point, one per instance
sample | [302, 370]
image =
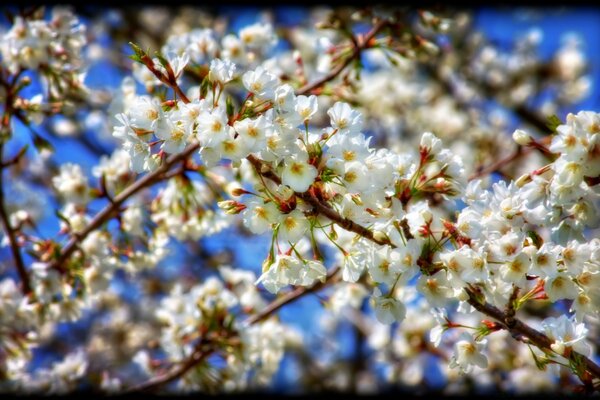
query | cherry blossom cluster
[492, 247]
[53, 48]
[230, 135]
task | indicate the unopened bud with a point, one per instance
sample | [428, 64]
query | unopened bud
[521, 137]
[381, 237]
[231, 206]
[267, 263]
[239, 191]
[524, 179]
[558, 347]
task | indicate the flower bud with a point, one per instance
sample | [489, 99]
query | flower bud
[524, 179]
[558, 347]
[521, 137]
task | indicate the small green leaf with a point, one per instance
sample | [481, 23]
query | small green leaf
[553, 122]
[204, 87]
[229, 107]
[540, 363]
[163, 61]
[138, 53]
[42, 144]
[62, 218]
[535, 238]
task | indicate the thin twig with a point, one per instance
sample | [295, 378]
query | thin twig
[107, 212]
[359, 45]
[291, 297]
[10, 233]
[200, 354]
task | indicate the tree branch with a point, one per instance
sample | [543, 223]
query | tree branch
[507, 319]
[107, 212]
[10, 233]
[291, 297]
[360, 44]
[200, 354]
[154, 177]
[538, 338]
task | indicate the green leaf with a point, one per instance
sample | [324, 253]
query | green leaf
[138, 53]
[541, 364]
[536, 238]
[229, 107]
[204, 87]
[62, 218]
[553, 122]
[163, 61]
[42, 144]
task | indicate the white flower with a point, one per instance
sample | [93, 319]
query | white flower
[566, 333]
[232, 48]
[253, 132]
[258, 215]
[384, 269]
[560, 287]
[285, 99]
[521, 137]
[284, 271]
[543, 261]
[313, 270]
[71, 183]
[260, 82]
[346, 120]
[353, 266]
[465, 265]
[232, 148]
[306, 107]
[201, 45]
[431, 143]
[467, 354]
[145, 113]
[515, 271]
[139, 155]
[298, 173]
[46, 282]
[133, 219]
[212, 127]
[347, 294]
[258, 36]
[441, 317]
[174, 133]
[292, 226]
[221, 71]
[435, 288]
[574, 255]
[177, 63]
[387, 309]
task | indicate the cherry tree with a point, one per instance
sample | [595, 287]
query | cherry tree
[363, 161]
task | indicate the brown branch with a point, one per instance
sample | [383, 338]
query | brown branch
[291, 297]
[498, 165]
[107, 212]
[507, 319]
[318, 205]
[10, 233]
[155, 176]
[519, 328]
[518, 153]
[360, 44]
[200, 355]
[196, 358]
